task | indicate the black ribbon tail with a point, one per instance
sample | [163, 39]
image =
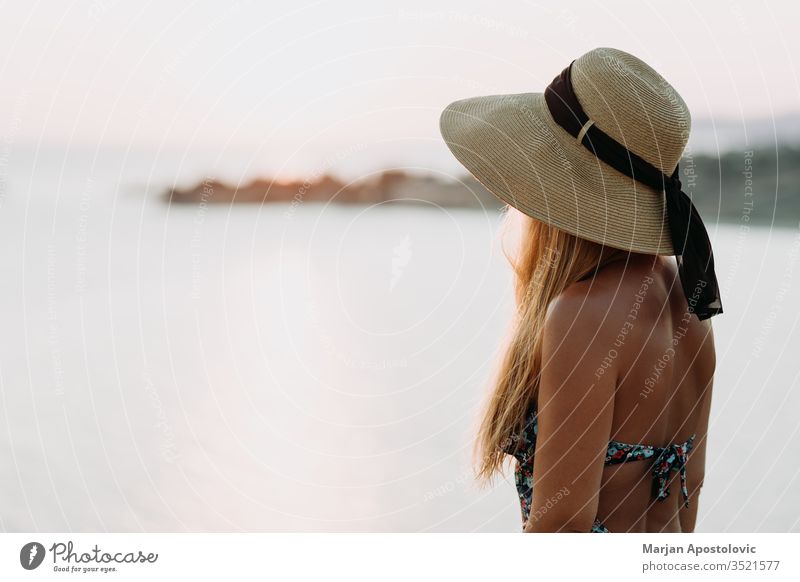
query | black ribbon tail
[693, 252]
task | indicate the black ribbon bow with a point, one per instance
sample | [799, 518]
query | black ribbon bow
[689, 236]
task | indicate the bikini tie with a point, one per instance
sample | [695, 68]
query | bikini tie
[672, 458]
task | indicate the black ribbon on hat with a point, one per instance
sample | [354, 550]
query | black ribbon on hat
[689, 236]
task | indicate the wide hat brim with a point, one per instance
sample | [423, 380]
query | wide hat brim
[512, 145]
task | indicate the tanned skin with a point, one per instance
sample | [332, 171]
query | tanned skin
[651, 384]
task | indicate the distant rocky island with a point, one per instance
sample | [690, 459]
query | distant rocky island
[390, 185]
[760, 186]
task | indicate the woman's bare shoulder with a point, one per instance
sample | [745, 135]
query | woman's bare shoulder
[616, 292]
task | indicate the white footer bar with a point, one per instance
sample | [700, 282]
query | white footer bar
[380, 557]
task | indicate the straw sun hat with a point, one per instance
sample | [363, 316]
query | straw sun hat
[513, 146]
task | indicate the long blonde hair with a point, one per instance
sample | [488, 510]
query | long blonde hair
[547, 261]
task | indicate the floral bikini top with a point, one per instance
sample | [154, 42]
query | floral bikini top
[664, 460]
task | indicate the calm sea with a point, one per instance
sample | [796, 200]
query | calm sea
[312, 368]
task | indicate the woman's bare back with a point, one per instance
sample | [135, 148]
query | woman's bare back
[663, 393]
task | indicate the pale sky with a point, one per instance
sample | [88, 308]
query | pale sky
[310, 80]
